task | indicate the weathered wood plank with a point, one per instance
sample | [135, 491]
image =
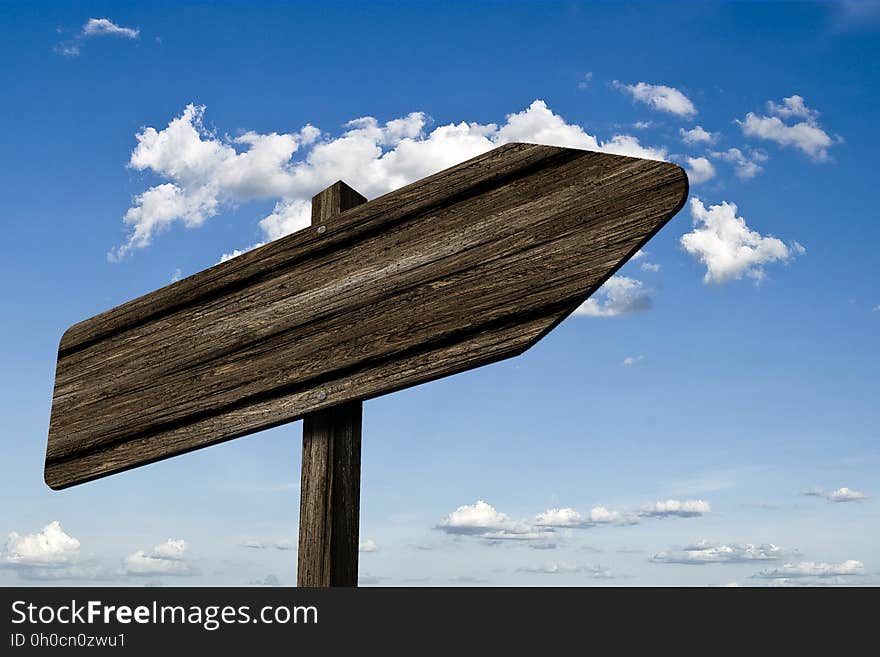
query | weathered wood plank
[330, 497]
[330, 490]
[461, 269]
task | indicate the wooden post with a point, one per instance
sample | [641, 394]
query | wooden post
[329, 510]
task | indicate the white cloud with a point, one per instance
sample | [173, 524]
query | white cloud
[813, 569]
[482, 520]
[792, 107]
[562, 568]
[659, 97]
[600, 515]
[706, 552]
[237, 252]
[586, 80]
[645, 266]
[168, 558]
[846, 495]
[842, 494]
[630, 146]
[806, 135]
[49, 547]
[177, 275]
[698, 135]
[96, 27]
[699, 169]
[50, 555]
[629, 361]
[642, 125]
[745, 166]
[569, 518]
[620, 295]
[287, 217]
[171, 549]
[368, 545]
[728, 247]
[685, 509]
[203, 173]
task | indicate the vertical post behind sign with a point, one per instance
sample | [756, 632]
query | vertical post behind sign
[329, 509]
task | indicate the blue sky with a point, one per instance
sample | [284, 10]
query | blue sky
[709, 418]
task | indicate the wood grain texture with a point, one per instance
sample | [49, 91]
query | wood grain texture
[330, 490]
[329, 516]
[460, 269]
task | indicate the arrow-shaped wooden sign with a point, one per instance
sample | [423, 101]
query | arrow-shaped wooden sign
[461, 269]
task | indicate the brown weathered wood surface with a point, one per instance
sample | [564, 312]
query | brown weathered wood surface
[330, 490]
[329, 509]
[460, 269]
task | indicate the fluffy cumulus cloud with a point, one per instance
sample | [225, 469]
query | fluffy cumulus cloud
[168, 558]
[704, 552]
[728, 247]
[699, 170]
[569, 518]
[682, 509]
[745, 166]
[51, 546]
[202, 172]
[95, 27]
[791, 124]
[50, 554]
[620, 295]
[697, 135]
[482, 520]
[659, 97]
[849, 567]
[842, 494]
[629, 361]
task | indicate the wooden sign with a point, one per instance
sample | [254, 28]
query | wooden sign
[460, 269]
